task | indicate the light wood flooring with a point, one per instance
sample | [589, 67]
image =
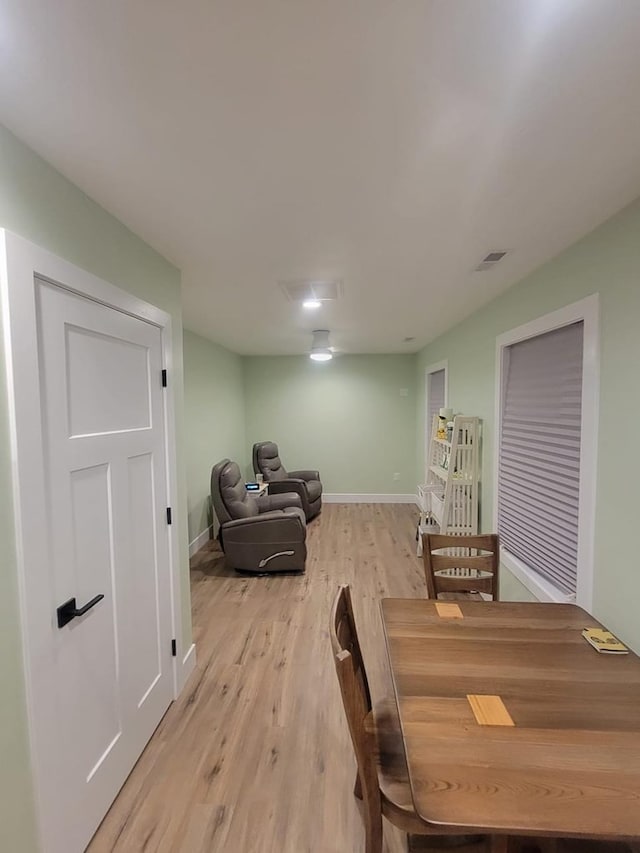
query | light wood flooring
[255, 755]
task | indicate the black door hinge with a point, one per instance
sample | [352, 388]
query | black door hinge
[168, 515]
[174, 648]
[164, 378]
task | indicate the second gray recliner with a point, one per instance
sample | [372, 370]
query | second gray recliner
[266, 461]
[264, 534]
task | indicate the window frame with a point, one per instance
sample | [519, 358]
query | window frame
[586, 310]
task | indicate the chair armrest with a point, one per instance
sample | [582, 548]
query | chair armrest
[279, 501]
[304, 475]
[279, 487]
[266, 527]
[257, 519]
[291, 484]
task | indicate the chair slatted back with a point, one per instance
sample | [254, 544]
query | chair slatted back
[356, 696]
[461, 564]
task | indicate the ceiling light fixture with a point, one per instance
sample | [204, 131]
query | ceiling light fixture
[312, 290]
[320, 349]
[311, 303]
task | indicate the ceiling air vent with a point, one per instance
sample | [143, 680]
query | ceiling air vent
[489, 261]
[302, 290]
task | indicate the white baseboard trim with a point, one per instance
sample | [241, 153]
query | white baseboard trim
[200, 541]
[347, 498]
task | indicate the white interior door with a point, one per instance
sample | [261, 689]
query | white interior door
[435, 399]
[101, 682]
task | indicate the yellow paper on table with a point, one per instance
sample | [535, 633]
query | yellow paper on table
[604, 641]
[448, 610]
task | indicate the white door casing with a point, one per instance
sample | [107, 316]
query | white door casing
[93, 472]
[428, 372]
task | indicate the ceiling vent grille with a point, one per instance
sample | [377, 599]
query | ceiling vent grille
[490, 261]
[302, 290]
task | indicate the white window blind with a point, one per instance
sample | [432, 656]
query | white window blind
[539, 463]
[436, 397]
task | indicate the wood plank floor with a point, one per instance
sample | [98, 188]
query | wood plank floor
[255, 755]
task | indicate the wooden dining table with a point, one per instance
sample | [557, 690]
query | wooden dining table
[512, 723]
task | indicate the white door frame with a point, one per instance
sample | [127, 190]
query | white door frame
[433, 368]
[20, 262]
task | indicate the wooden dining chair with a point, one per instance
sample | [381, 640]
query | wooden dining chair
[461, 567]
[382, 782]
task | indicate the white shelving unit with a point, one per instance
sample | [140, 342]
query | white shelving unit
[449, 495]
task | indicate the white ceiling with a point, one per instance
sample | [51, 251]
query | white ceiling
[388, 144]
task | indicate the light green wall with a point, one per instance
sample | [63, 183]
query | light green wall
[607, 262]
[345, 417]
[39, 204]
[214, 420]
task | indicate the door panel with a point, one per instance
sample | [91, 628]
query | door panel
[147, 665]
[119, 369]
[109, 671]
[88, 666]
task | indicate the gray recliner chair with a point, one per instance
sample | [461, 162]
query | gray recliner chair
[306, 484]
[257, 534]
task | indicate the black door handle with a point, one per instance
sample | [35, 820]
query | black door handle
[68, 611]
